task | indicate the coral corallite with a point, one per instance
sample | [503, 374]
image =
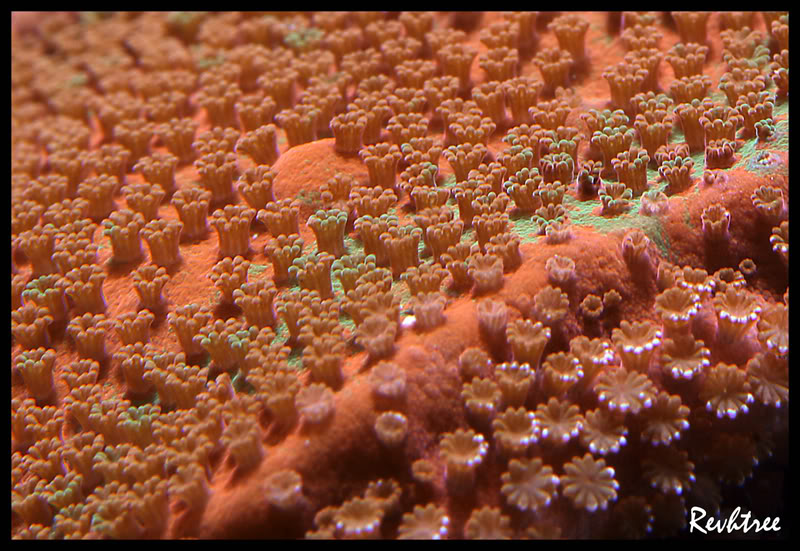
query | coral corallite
[413, 275]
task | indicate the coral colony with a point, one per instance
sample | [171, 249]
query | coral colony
[398, 275]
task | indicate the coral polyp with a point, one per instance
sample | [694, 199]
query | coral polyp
[414, 275]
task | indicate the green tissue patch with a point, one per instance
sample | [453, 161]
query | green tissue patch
[303, 38]
[450, 181]
[183, 17]
[240, 384]
[207, 62]
[745, 153]
[780, 109]
[281, 332]
[719, 97]
[152, 398]
[401, 291]
[602, 35]
[256, 269]
[766, 163]
[420, 247]
[525, 228]
[78, 80]
[581, 213]
[353, 245]
[336, 285]
[686, 217]
[757, 158]
[469, 236]
[699, 159]
[309, 197]
[676, 136]
[781, 138]
[296, 286]
[89, 17]
[655, 231]
[295, 359]
[347, 322]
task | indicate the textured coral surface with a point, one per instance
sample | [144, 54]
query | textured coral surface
[380, 275]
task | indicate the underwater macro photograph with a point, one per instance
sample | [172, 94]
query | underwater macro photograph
[400, 275]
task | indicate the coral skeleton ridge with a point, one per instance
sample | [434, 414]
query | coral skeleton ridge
[397, 275]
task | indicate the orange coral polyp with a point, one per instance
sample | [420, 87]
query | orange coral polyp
[88, 332]
[255, 300]
[486, 270]
[372, 202]
[716, 221]
[36, 368]
[144, 198]
[560, 270]
[255, 111]
[678, 173]
[314, 273]
[163, 238]
[500, 63]
[506, 247]
[217, 171]
[282, 252]
[178, 136]
[514, 380]
[528, 484]
[463, 452]
[515, 430]
[559, 421]
[192, 203]
[625, 80]
[84, 285]
[555, 65]
[684, 357]
[260, 144]
[381, 160]
[636, 344]
[623, 391]
[570, 30]
[773, 329]
[361, 348]
[45, 292]
[402, 246]
[348, 129]
[768, 201]
[233, 228]
[737, 312]
[677, 308]
[482, 399]
[329, 229]
[550, 305]
[134, 327]
[726, 391]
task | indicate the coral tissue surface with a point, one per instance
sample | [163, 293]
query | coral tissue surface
[416, 275]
